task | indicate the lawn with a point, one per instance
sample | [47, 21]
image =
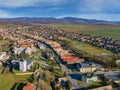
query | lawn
[8, 80]
[1, 68]
[88, 48]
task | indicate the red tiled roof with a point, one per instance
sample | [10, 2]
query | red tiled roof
[28, 87]
[25, 45]
[71, 59]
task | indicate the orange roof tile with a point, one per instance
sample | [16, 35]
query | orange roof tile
[71, 58]
[28, 87]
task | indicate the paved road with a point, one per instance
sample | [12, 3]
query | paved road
[75, 85]
[74, 80]
[64, 68]
[72, 77]
[109, 72]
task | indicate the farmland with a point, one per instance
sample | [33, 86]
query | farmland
[115, 33]
[96, 30]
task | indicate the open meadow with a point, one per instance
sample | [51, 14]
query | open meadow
[96, 30]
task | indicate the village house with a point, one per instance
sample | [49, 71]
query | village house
[41, 46]
[25, 65]
[89, 67]
[26, 44]
[89, 78]
[26, 48]
[61, 51]
[18, 50]
[29, 86]
[71, 59]
[3, 56]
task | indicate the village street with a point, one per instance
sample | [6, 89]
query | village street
[75, 85]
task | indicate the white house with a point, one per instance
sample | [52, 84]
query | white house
[89, 67]
[41, 46]
[18, 50]
[3, 55]
[29, 64]
[22, 49]
[25, 65]
[88, 78]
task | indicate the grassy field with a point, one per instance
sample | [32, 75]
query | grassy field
[103, 30]
[8, 80]
[88, 48]
[115, 33]
[1, 68]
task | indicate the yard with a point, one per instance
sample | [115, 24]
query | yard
[7, 81]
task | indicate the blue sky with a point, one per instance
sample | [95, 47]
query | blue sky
[90, 9]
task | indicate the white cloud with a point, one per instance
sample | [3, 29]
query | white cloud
[17, 3]
[4, 14]
[56, 8]
[25, 3]
[98, 6]
[92, 5]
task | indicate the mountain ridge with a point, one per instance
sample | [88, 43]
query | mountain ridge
[48, 20]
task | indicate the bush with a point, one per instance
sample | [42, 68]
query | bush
[45, 86]
[48, 77]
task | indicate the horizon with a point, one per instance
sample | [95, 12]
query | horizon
[107, 10]
[57, 18]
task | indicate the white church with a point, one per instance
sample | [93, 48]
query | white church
[25, 65]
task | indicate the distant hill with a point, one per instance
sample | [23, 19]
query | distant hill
[55, 20]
